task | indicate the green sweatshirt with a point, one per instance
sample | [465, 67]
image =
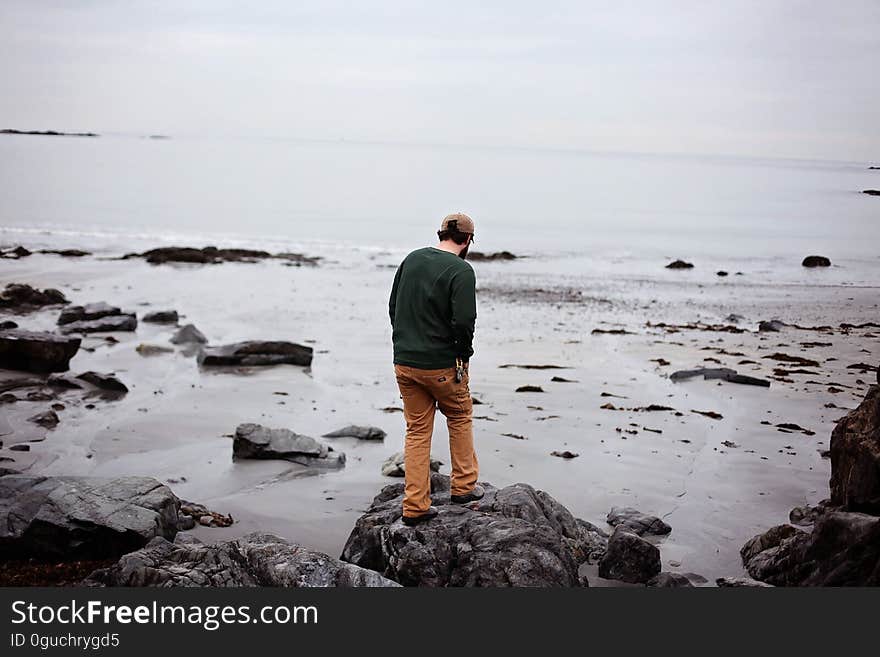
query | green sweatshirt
[433, 309]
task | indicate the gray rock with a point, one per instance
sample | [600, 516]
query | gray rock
[161, 317]
[395, 466]
[8, 324]
[722, 373]
[515, 536]
[679, 264]
[82, 517]
[740, 582]
[48, 419]
[807, 515]
[355, 431]
[816, 261]
[107, 382]
[88, 312]
[771, 326]
[629, 558]
[668, 580]
[254, 352]
[36, 352]
[257, 559]
[842, 550]
[20, 447]
[636, 522]
[855, 457]
[106, 324]
[253, 441]
[188, 334]
[24, 298]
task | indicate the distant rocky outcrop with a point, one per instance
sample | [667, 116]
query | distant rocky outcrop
[33, 351]
[816, 261]
[256, 352]
[872, 192]
[257, 559]
[843, 548]
[476, 256]
[14, 253]
[82, 517]
[211, 255]
[19, 297]
[48, 133]
[679, 264]
[254, 441]
[514, 536]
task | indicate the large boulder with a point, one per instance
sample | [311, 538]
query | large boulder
[842, 550]
[23, 298]
[107, 324]
[254, 560]
[256, 352]
[514, 536]
[162, 317]
[629, 558]
[855, 457]
[36, 352]
[82, 517]
[254, 441]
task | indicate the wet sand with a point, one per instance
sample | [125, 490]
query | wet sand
[175, 424]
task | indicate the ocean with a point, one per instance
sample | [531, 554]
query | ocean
[596, 212]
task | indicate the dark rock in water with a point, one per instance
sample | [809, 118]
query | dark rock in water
[63, 381]
[19, 447]
[67, 253]
[48, 419]
[723, 373]
[679, 264]
[395, 465]
[18, 251]
[515, 536]
[740, 582]
[36, 352]
[87, 312]
[298, 259]
[23, 298]
[256, 352]
[206, 255]
[476, 256]
[855, 457]
[102, 325]
[188, 334]
[629, 558]
[669, 581]
[529, 389]
[565, 454]
[733, 318]
[82, 517]
[871, 192]
[721, 273]
[7, 324]
[257, 559]
[636, 522]
[253, 441]
[771, 326]
[107, 382]
[842, 550]
[161, 317]
[816, 261]
[354, 431]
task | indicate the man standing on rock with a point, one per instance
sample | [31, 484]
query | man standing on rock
[433, 309]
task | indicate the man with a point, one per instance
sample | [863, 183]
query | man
[433, 309]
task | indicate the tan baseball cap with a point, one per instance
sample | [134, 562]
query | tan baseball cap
[458, 221]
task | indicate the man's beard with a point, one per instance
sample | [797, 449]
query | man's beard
[464, 252]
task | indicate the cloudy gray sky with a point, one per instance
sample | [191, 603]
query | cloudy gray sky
[764, 77]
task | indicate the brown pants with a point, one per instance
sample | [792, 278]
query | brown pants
[422, 392]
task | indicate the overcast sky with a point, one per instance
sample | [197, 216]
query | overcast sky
[764, 77]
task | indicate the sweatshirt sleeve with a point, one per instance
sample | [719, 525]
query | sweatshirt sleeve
[464, 311]
[392, 301]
